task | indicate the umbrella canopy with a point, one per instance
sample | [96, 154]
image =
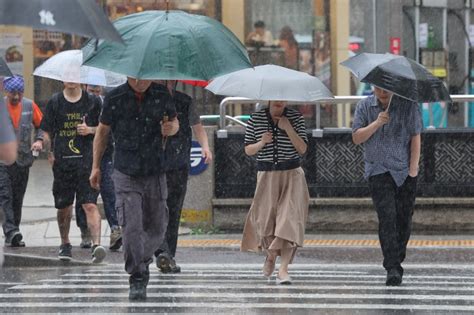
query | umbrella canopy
[398, 74]
[169, 45]
[271, 83]
[82, 17]
[4, 70]
[67, 66]
[195, 82]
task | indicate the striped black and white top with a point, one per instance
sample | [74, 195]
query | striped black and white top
[281, 149]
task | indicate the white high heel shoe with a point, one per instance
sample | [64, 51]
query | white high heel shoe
[285, 280]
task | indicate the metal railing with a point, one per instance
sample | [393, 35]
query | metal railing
[227, 117]
[345, 100]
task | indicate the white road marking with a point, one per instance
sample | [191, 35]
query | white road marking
[236, 286]
[270, 285]
[243, 275]
[423, 297]
[239, 306]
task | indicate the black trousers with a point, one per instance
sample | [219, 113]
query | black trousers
[13, 182]
[177, 181]
[394, 207]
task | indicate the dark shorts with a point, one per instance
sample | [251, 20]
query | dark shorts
[72, 183]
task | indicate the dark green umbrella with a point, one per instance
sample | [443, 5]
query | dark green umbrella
[169, 45]
[398, 74]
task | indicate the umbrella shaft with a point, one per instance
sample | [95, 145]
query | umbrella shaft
[389, 103]
[163, 142]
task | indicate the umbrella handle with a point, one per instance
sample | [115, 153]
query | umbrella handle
[389, 103]
[386, 110]
[164, 138]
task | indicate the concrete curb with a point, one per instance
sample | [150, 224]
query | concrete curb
[22, 260]
[357, 215]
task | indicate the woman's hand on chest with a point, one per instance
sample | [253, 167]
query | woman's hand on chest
[284, 124]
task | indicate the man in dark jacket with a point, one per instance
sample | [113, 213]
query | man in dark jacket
[139, 113]
[177, 157]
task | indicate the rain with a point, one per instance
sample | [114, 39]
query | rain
[238, 157]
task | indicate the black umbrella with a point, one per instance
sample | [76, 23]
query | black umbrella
[82, 17]
[4, 70]
[398, 74]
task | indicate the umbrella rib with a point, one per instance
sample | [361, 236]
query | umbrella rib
[229, 76]
[93, 15]
[233, 42]
[89, 14]
[225, 37]
[260, 92]
[201, 55]
[148, 43]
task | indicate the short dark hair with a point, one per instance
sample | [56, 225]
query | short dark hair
[259, 24]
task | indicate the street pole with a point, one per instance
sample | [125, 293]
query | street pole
[417, 32]
[374, 24]
[467, 22]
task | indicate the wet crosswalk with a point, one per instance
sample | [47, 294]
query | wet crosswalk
[241, 289]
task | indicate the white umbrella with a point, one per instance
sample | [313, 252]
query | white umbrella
[67, 66]
[271, 83]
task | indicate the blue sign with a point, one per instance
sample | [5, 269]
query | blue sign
[197, 160]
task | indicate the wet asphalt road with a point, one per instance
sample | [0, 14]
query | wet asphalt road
[326, 280]
[306, 255]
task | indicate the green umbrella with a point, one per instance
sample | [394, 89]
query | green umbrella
[169, 45]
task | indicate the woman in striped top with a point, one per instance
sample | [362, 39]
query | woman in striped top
[276, 220]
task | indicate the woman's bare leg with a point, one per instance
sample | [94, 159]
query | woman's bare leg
[269, 265]
[286, 257]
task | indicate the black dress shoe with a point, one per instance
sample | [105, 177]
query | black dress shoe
[174, 268]
[138, 283]
[394, 277]
[163, 262]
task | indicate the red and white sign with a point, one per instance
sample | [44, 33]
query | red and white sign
[395, 45]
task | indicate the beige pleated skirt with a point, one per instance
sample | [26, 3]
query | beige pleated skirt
[277, 216]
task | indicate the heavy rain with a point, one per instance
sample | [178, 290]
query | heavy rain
[237, 157]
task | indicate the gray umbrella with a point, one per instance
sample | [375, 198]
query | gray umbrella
[82, 17]
[398, 74]
[271, 83]
[4, 70]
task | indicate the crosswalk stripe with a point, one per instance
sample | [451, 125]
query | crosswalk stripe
[243, 286]
[197, 305]
[213, 287]
[251, 272]
[298, 266]
[243, 275]
[237, 281]
[424, 297]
